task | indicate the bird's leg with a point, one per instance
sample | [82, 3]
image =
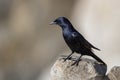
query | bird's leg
[69, 56]
[77, 61]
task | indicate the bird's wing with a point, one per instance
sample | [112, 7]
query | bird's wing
[87, 43]
[82, 41]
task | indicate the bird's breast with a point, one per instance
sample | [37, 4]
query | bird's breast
[68, 37]
[71, 42]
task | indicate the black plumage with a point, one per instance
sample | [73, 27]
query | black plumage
[76, 42]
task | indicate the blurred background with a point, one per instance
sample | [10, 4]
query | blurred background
[29, 46]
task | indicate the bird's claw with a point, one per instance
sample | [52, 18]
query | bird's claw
[75, 63]
[67, 58]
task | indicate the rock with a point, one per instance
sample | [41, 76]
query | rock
[114, 74]
[88, 69]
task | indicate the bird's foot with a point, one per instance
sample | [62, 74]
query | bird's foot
[76, 63]
[66, 57]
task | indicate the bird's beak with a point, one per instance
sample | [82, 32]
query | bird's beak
[52, 23]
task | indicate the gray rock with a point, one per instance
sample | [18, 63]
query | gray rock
[114, 74]
[88, 69]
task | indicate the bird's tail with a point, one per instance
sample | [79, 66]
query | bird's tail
[97, 58]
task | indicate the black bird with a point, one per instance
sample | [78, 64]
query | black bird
[76, 42]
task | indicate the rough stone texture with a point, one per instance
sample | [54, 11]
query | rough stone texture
[114, 74]
[88, 69]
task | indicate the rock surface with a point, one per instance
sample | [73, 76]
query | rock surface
[88, 69]
[114, 74]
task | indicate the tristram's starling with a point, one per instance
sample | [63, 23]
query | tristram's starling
[76, 42]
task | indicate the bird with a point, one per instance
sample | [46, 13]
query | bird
[75, 41]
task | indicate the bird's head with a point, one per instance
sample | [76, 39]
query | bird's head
[61, 21]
